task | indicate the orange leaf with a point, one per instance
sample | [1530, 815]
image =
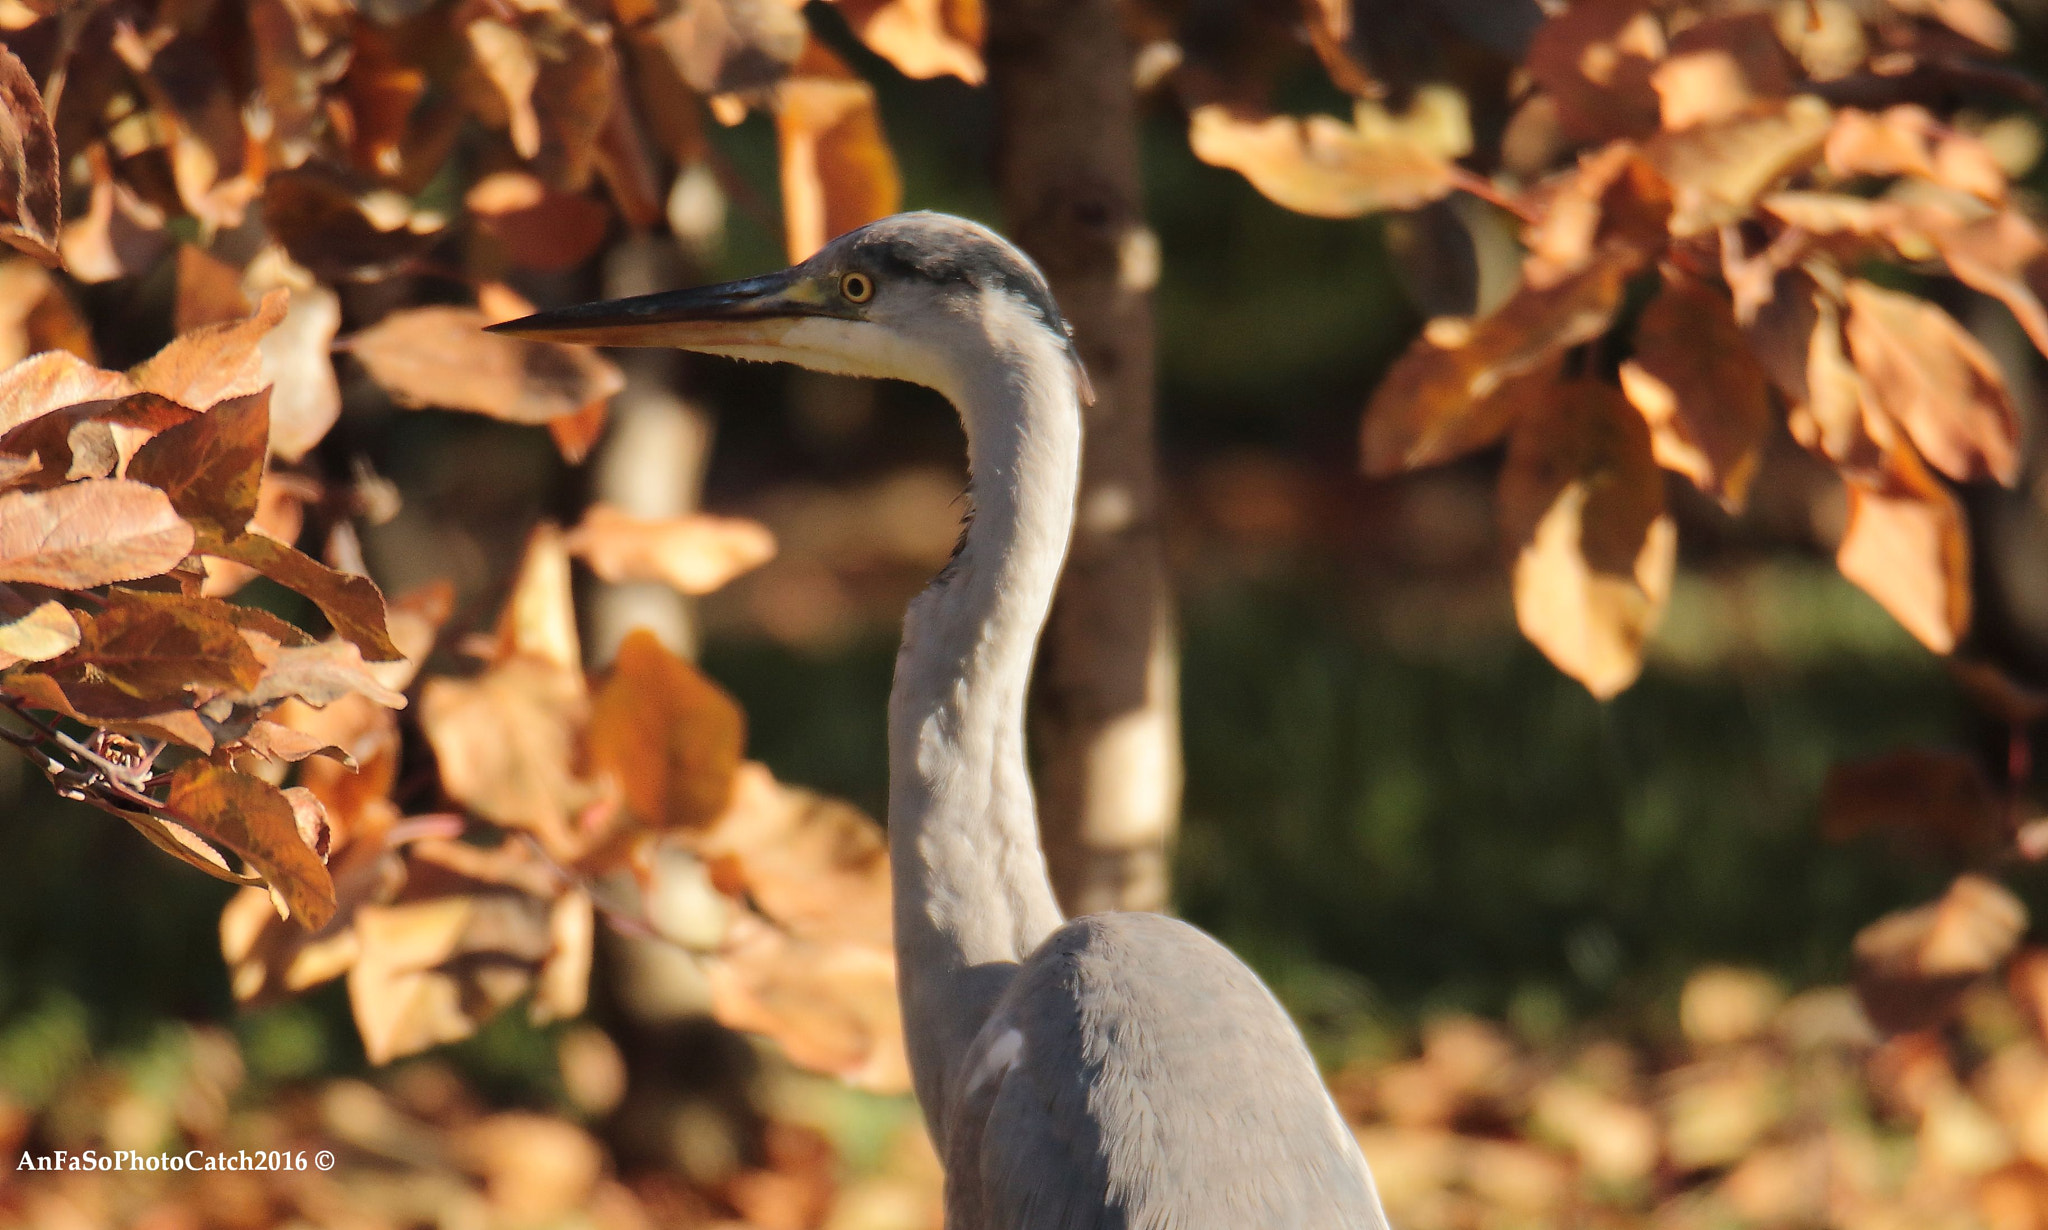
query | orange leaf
[255, 820]
[922, 38]
[1717, 171]
[90, 533]
[1583, 500]
[30, 191]
[1907, 546]
[215, 363]
[54, 380]
[155, 646]
[353, 604]
[1934, 380]
[1438, 401]
[837, 170]
[1699, 388]
[317, 674]
[539, 227]
[832, 1007]
[695, 554]
[1324, 167]
[36, 633]
[1595, 59]
[1912, 966]
[1719, 68]
[2003, 256]
[212, 466]
[507, 743]
[440, 356]
[107, 707]
[669, 736]
[209, 291]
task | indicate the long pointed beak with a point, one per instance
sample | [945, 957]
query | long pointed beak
[747, 313]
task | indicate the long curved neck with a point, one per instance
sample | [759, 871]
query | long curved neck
[971, 893]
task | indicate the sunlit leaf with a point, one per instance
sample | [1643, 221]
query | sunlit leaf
[212, 466]
[256, 821]
[922, 38]
[1717, 171]
[1907, 546]
[37, 634]
[1325, 167]
[213, 364]
[51, 381]
[1934, 380]
[1595, 59]
[1912, 966]
[90, 533]
[508, 744]
[837, 169]
[153, 646]
[351, 603]
[440, 356]
[1702, 393]
[695, 554]
[669, 736]
[30, 192]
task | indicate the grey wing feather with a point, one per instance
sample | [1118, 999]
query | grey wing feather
[1136, 1076]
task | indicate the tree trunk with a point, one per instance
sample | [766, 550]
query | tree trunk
[1105, 721]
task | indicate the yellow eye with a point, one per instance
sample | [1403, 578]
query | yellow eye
[857, 287]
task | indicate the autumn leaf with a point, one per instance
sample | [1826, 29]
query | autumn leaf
[539, 227]
[695, 554]
[669, 736]
[1324, 167]
[351, 603]
[1702, 393]
[255, 820]
[90, 533]
[209, 291]
[269, 960]
[305, 397]
[30, 191]
[2003, 256]
[34, 633]
[1717, 171]
[213, 364]
[1934, 380]
[109, 708]
[539, 619]
[552, 74]
[1595, 59]
[318, 674]
[816, 866]
[1438, 400]
[1912, 966]
[211, 467]
[830, 1006]
[1719, 68]
[508, 744]
[155, 646]
[440, 356]
[1582, 499]
[1906, 546]
[837, 170]
[922, 38]
[51, 381]
[1796, 337]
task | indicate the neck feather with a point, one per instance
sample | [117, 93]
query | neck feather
[971, 892]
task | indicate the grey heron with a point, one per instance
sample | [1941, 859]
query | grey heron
[1118, 1070]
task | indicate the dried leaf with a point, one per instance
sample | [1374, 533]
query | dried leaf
[2003, 256]
[155, 646]
[1934, 380]
[1719, 68]
[212, 466]
[109, 708]
[1912, 966]
[1907, 547]
[695, 554]
[90, 533]
[922, 38]
[256, 821]
[724, 46]
[539, 227]
[213, 364]
[36, 634]
[539, 620]
[440, 356]
[1323, 167]
[209, 291]
[351, 603]
[1717, 171]
[830, 1006]
[1595, 59]
[268, 960]
[1699, 388]
[1439, 400]
[552, 73]
[837, 170]
[322, 223]
[305, 397]
[1942, 796]
[52, 381]
[431, 972]
[507, 746]
[1582, 498]
[30, 191]
[318, 674]
[1797, 338]
[816, 866]
[669, 736]
[1980, 21]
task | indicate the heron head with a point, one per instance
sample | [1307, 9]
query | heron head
[923, 297]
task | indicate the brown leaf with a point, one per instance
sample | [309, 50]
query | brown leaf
[37, 314]
[1613, 199]
[1907, 547]
[1583, 500]
[30, 191]
[212, 466]
[1912, 966]
[1438, 400]
[539, 619]
[280, 514]
[1934, 380]
[922, 38]
[695, 554]
[1918, 792]
[816, 866]
[352, 604]
[1719, 68]
[109, 708]
[2003, 256]
[669, 736]
[52, 381]
[1699, 388]
[440, 356]
[724, 46]
[837, 170]
[539, 227]
[305, 398]
[1717, 171]
[1595, 59]
[34, 633]
[382, 89]
[269, 960]
[90, 533]
[552, 74]
[1797, 338]
[155, 646]
[1980, 21]
[318, 674]
[322, 223]
[256, 821]
[507, 743]
[1324, 167]
[830, 1006]
[213, 364]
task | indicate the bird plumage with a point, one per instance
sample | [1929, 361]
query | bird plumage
[1115, 1072]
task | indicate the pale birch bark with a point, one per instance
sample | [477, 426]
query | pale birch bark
[1106, 723]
